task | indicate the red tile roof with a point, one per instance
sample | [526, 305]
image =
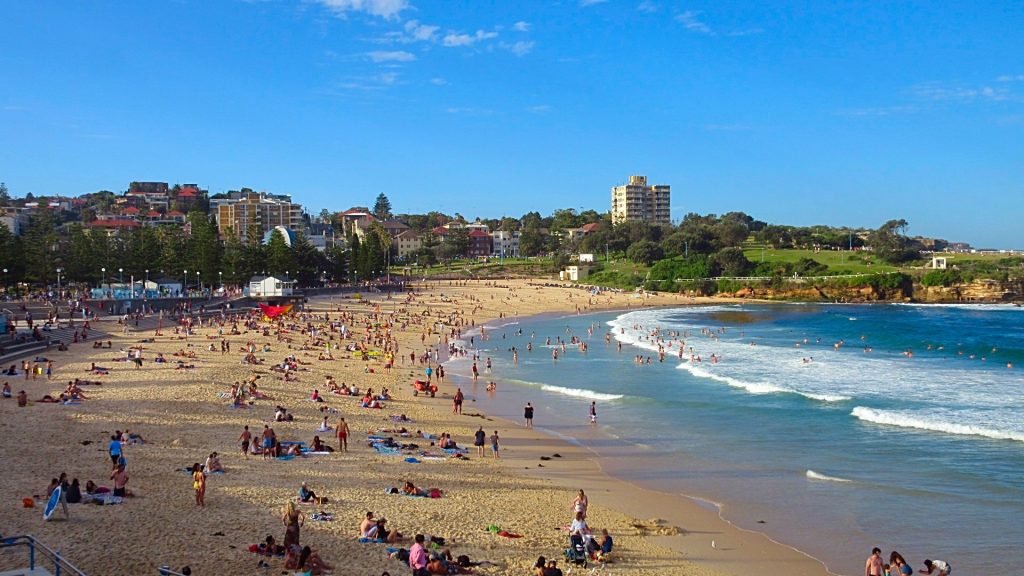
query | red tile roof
[188, 191]
[131, 210]
[479, 233]
[175, 214]
[588, 228]
[118, 223]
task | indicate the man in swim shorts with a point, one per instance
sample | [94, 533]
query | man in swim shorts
[478, 441]
[528, 415]
[245, 438]
[342, 435]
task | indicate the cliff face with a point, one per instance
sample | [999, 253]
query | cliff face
[977, 291]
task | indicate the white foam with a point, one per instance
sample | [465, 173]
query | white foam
[1002, 307]
[580, 393]
[812, 475]
[758, 387]
[934, 422]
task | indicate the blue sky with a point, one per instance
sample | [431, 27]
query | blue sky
[798, 113]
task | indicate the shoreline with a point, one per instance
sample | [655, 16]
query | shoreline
[696, 521]
[179, 413]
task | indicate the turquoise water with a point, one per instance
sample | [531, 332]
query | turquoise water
[832, 428]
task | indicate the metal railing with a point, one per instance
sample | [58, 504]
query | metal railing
[35, 547]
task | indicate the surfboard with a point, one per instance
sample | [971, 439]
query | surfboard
[52, 503]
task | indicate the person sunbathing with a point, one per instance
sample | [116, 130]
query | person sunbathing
[311, 562]
[317, 445]
[295, 450]
[412, 490]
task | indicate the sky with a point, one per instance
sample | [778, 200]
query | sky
[801, 113]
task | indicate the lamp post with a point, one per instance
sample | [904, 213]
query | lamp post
[59, 270]
[184, 287]
[5, 280]
[120, 277]
[144, 284]
[200, 282]
[220, 280]
[104, 279]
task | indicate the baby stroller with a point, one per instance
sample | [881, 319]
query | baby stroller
[576, 553]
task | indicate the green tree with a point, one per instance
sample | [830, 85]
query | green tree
[382, 207]
[5, 195]
[531, 242]
[280, 259]
[730, 262]
[232, 262]
[40, 246]
[644, 252]
[891, 245]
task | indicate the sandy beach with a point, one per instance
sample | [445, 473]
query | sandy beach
[183, 418]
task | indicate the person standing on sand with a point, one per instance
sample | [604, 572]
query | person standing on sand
[873, 565]
[593, 412]
[528, 415]
[457, 402]
[494, 445]
[245, 439]
[342, 435]
[479, 438]
[418, 557]
[267, 441]
[293, 519]
[199, 484]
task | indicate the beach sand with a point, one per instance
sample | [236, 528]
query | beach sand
[182, 419]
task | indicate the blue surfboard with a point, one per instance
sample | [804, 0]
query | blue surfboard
[51, 504]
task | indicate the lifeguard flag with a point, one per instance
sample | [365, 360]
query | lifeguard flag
[275, 311]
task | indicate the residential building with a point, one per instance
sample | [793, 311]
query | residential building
[505, 243]
[406, 243]
[270, 286]
[479, 244]
[636, 201]
[259, 208]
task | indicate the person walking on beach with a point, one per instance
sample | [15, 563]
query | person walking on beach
[114, 448]
[245, 439]
[342, 435]
[528, 415]
[457, 402]
[494, 445]
[478, 440]
[873, 565]
[267, 440]
[593, 412]
[199, 484]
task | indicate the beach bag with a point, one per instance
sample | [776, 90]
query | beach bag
[463, 561]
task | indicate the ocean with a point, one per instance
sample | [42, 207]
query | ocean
[831, 428]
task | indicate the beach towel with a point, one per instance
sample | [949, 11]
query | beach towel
[365, 540]
[322, 517]
[286, 457]
[412, 460]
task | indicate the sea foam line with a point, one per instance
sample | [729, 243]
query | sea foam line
[758, 387]
[936, 424]
[812, 475]
[580, 393]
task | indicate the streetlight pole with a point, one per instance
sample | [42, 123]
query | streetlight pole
[220, 277]
[199, 281]
[59, 270]
[184, 287]
[120, 277]
[144, 284]
[5, 281]
[103, 281]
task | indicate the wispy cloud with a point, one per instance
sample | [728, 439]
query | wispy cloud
[941, 92]
[412, 31]
[469, 111]
[648, 7]
[383, 8]
[391, 56]
[538, 109]
[521, 26]
[521, 48]
[878, 111]
[1011, 78]
[368, 83]
[586, 3]
[453, 39]
[438, 81]
[692, 22]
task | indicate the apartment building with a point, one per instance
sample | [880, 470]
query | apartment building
[636, 201]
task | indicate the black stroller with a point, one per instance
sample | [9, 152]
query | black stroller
[576, 553]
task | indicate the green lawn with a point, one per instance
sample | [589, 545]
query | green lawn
[838, 261]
